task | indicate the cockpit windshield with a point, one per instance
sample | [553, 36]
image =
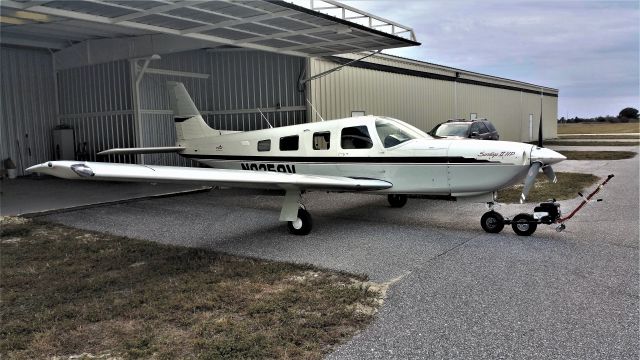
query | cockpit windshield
[393, 132]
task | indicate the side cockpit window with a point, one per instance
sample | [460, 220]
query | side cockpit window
[264, 145]
[393, 133]
[355, 137]
[321, 140]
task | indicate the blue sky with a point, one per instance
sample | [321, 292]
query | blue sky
[589, 50]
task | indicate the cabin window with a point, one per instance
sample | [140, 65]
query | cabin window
[289, 143]
[321, 140]
[264, 145]
[355, 137]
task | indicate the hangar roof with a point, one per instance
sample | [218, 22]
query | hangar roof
[269, 25]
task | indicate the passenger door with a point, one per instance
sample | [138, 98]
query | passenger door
[355, 148]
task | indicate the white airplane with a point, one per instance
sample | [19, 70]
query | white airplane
[372, 154]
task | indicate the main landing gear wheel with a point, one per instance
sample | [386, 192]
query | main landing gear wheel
[302, 225]
[524, 224]
[397, 200]
[492, 222]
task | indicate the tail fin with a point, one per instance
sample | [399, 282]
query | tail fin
[189, 122]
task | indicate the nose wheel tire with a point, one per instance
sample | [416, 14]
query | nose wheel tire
[492, 222]
[397, 200]
[302, 225]
[524, 224]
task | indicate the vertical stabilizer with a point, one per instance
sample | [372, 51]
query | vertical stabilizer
[189, 122]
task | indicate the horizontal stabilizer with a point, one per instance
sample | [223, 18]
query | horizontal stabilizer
[204, 176]
[144, 150]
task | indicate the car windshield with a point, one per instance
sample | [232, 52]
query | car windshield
[452, 130]
[392, 133]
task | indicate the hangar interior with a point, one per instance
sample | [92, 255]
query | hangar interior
[100, 69]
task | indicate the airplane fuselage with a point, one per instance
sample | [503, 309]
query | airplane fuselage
[370, 147]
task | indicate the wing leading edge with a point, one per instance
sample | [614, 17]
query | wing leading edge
[204, 176]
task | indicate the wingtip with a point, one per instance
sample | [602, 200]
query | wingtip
[38, 167]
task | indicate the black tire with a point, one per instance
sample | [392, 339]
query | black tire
[523, 225]
[303, 225]
[397, 200]
[492, 222]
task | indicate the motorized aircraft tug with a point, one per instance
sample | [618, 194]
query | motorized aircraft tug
[373, 154]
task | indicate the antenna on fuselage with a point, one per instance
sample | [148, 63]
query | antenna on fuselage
[265, 118]
[314, 109]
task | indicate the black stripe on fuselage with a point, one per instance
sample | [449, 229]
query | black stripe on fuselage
[181, 118]
[348, 159]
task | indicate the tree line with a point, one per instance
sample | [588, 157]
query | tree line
[626, 115]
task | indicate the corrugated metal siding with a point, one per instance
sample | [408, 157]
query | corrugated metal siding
[422, 102]
[425, 102]
[239, 82]
[28, 106]
[96, 102]
[404, 63]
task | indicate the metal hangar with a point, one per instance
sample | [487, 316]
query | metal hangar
[99, 68]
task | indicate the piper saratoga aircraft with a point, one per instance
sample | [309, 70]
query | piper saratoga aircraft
[373, 154]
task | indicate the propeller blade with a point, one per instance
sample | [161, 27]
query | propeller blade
[528, 182]
[547, 170]
[540, 124]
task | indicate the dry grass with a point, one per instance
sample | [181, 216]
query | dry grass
[567, 187]
[598, 155]
[67, 291]
[600, 137]
[561, 142]
[598, 128]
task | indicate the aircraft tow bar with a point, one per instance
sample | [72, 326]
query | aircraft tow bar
[547, 213]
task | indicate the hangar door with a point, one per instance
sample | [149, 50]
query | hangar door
[230, 87]
[227, 85]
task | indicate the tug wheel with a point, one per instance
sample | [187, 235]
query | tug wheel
[492, 222]
[302, 225]
[397, 200]
[523, 224]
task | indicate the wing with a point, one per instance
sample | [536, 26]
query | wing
[204, 176]
[147, 150]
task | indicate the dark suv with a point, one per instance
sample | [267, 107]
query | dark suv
[480, 129]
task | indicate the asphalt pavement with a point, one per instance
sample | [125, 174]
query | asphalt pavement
[456, 292]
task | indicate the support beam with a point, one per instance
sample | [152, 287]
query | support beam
[156, 10]
[177, 73]
[239, 21]
[21, 40]
[107, 50]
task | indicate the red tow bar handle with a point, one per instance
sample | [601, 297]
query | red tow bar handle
[585, 200]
